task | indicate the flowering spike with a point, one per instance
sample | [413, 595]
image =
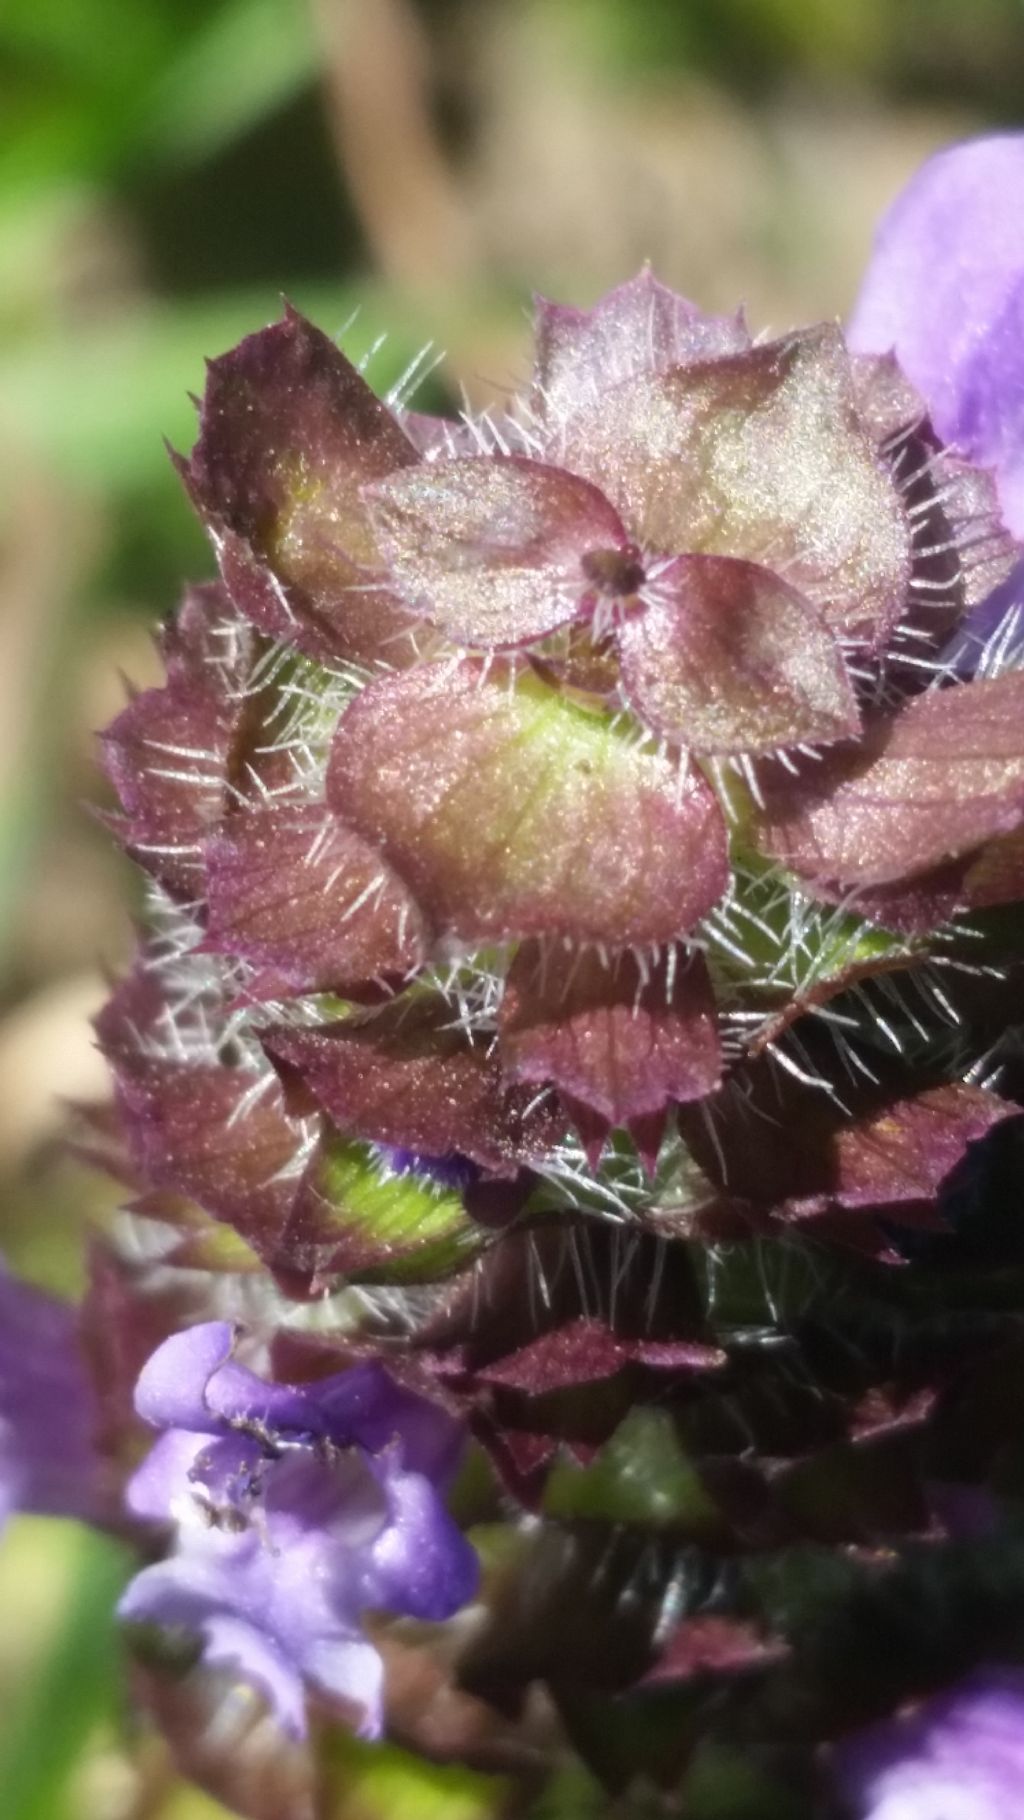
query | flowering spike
[576, 972]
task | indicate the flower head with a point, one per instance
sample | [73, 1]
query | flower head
[959, 1756]
[297, 1508]
[527, 779]
[577, 838]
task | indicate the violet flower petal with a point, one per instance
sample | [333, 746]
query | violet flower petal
[171, 1391]
[960, 1755]
[155, 1486]
[231, 1643]
[366, 1406]
[421, 1563]
[945, 290]
[298, 1507]
[48, 1463]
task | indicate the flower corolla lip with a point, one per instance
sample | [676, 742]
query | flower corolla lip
[959, 1753]
[298, 1508]
[944, 290]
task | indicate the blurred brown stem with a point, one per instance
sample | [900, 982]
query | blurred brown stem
[377, 77]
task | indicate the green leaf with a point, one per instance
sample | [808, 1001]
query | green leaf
[72, 1685]
[268, 47]
[642, 1475]
[381, 1782]
[97, 405]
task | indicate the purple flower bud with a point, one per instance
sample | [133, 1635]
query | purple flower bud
[297, 1508]
[959, 1756]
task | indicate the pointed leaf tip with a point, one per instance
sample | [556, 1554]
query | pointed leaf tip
[639, 327]
[289, 434]
[407, 1078]
[623, 1039]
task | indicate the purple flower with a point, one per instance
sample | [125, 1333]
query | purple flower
[298, 1508]
[957, 1757]
[48, 1462]
[945, 291]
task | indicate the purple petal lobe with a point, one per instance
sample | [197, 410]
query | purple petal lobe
[171, 1391]
[421, 1562]
[624, 1039]
[729, 658]
[510, 810]
[945, 289]
[491, 549]
[959, 1754]
[232, 1643]
[924, 786]
[292, 890]
[761, 456]
[154, 1486]
[289, 435]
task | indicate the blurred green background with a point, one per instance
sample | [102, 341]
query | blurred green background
[400, 168]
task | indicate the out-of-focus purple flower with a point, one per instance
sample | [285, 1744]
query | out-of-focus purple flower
[945, 290]
[48, 1462]
[957, 1757]
[298, 1508]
